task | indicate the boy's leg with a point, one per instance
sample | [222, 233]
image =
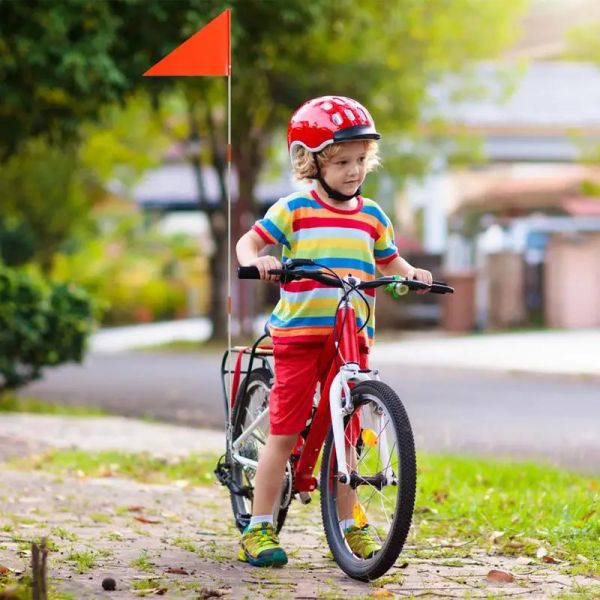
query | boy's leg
[270, 471]
[259, 544]
[290, 405]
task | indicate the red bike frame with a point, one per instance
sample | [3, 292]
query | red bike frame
[333, 356]
[345, 350]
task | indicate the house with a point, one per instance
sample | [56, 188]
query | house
[535, 139]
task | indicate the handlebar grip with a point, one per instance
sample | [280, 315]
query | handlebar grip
[441, 288]
[248, 273]
[254, 273]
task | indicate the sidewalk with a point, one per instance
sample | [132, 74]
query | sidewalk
[565, 352]
[178, 541]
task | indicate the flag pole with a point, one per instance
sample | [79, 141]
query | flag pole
[229, 298]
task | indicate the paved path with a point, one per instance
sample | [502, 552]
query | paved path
[178, 541]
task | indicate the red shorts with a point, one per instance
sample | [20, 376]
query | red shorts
[298, 369]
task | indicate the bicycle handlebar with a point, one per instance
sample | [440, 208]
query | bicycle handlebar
[293, 273]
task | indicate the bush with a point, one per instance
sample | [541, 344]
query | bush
[137, 273]
[41, 325]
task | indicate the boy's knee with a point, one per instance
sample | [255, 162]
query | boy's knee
[284, 441]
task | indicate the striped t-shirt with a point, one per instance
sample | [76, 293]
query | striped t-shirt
[347, 241]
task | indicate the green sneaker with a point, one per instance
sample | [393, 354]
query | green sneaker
[260, 547]
[361, 541]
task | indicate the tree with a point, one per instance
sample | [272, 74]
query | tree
[384, 53]
[55, 68]
[44, 188]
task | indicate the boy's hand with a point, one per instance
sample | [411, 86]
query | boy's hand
[421, 275]
[264, 264]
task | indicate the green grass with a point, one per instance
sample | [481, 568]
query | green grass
[12, 403]
[84, 560]
[463, 505]
[508, 508]
[196, 469]
[142, 562]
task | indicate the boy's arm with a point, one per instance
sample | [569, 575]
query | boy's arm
[247, 250]
[399, 266]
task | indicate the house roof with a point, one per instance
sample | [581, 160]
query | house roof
[524, 187]
[549, 96]
[173, 186]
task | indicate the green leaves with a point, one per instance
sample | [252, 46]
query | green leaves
[40, 325]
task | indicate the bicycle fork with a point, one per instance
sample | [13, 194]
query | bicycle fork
[340, 404]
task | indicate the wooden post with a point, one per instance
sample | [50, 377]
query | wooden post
[39, 556]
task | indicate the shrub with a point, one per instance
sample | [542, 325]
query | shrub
[41, 325]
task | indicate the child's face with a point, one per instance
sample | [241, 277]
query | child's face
[346, 171]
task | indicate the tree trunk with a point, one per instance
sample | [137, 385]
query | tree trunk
[218, 275]
[248, 164]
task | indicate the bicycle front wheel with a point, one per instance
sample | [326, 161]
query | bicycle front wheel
[380, 454]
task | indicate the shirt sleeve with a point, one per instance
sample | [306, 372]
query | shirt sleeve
[385, 246]
[276, 226]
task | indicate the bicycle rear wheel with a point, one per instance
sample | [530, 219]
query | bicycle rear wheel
[383, 484]
[247, 408]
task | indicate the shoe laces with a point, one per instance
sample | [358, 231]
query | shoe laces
[263, 536]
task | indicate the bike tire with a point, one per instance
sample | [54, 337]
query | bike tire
[403, 462]
[246, 405]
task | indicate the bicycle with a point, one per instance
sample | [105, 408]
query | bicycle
[356, 416]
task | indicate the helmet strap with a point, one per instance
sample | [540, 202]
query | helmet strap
[330, 191]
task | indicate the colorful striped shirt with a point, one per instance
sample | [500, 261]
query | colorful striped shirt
[347, 241]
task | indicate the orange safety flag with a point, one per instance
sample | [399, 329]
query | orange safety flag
[207, 52]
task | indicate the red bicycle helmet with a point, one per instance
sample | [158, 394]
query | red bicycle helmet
[327, 120]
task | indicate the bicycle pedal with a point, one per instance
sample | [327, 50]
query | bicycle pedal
[223, 473]
[304, 497]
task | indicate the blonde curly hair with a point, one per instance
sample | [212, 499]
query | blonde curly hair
[303, 163]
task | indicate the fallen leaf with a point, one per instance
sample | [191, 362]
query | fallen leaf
[143, 519]
[514, 545]
[177, 571]
[4, 570]
[499, 577]
[135, 508]
[382, 594]
[494, 536]
[439, 496]
[550, 559]
[105, 471]
[161, 591]
[426, 509]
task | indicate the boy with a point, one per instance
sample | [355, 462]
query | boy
[332, 141]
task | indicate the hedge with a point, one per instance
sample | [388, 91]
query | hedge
[42, 324]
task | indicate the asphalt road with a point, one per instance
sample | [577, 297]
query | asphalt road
[547, 418]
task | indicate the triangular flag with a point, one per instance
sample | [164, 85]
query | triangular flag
[207, 52]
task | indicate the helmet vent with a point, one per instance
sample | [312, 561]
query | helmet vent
[327, 105]
[349, 114]
[337, 118]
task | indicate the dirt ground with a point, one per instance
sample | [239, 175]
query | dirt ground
[178, 542]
